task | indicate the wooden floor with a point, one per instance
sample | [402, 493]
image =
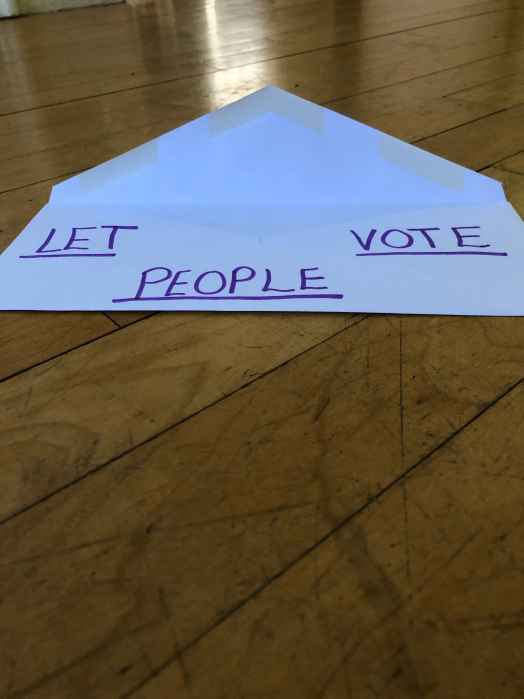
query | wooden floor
[223, 506]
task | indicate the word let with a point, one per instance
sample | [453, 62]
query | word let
[72, 244]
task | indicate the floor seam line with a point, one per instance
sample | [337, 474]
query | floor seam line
[254, 63]
[344, 522]
[176, 424]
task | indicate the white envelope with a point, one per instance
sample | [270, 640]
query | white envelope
[272, 203]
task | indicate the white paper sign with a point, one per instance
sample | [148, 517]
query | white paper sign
[272, 203]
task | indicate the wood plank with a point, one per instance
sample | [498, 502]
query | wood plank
[107, 398]
[18, 207]
[515, 164]
[57, 140]
[440, 365]
[178, 532]
[194, 520]
[452, 366]
[30, 338]
[424, 106]
[483, 142]
[421, 595]
[165, 41]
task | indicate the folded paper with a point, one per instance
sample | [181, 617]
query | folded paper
[272, 203]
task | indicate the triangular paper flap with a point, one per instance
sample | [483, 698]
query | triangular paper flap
[274, 151]
[268, 100]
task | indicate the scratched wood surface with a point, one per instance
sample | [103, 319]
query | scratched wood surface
[244, 505]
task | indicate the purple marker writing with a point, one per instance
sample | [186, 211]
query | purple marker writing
[427, 240]
[242, 283]
[97, 245]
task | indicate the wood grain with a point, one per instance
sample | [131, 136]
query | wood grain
[424, 106]
[421, 595]
[30, 338]
[163, 42]
[454, 367]
[488, 140]
[172, 536]
[60, 420]
[195, 520]
[514, 164]
[38, 144]
[206, 505]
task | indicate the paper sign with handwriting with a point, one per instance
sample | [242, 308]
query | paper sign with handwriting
[272, 204]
